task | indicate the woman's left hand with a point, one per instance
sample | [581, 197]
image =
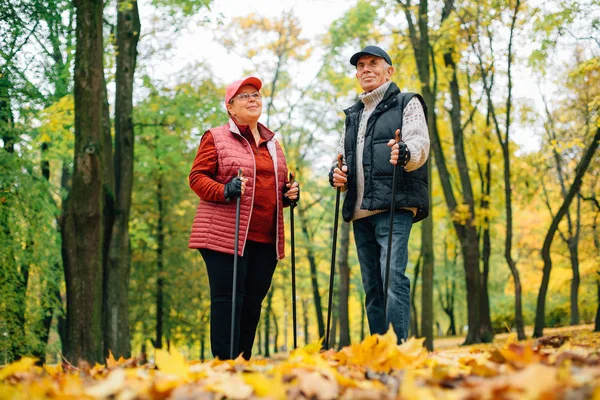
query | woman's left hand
[293, 192]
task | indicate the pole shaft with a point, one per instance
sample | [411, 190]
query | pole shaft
[292, 206]
[332, 270]
[235, 259]
[390, 232]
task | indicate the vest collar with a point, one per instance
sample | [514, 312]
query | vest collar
[264, 131]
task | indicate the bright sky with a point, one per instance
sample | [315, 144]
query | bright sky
[195, 43]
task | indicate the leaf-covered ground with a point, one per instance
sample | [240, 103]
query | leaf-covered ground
[563, 366]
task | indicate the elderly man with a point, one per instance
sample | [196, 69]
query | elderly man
[370, 153]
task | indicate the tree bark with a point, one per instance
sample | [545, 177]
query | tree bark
[276, 329]
[487, 240]
[82, 223]
[118, 266]
[573, 244]
[344, 284]
[305, 320]
[414, 317]
[597, 321]
[427, 254]
[540, 311]
[13, 277]
[465, 232]
[313, 271]
[160, 273]
[267, 317]
[507, 189]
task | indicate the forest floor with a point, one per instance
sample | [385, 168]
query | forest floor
[565, 364]
[448, 342]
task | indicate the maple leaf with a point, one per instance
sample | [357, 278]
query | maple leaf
[231, 386]
[110, 386]
[24, 364]
[264, 386]
[520, 355]
[110, 361]
[172, 363]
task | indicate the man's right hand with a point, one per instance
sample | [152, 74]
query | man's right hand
[338, 177]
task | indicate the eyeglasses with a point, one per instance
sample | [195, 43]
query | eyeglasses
[247, 96]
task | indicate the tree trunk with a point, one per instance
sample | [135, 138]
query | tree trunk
[540, 311]
[507, 189]
[466, 233]
[276, 333]
[487, 241]
[108, 213]
[469, 242]
[362, 315]
[574, 255]
[597, 245]
[13, 278]
[334, 321]
[82, 223]
[344, 284]
[160, 273]
[52, 283]
[414, 317]
[452, 328]
[267, 316]
[427, 253]
[305, 319]
[118, 266]
[597, 321]
[313, 272]
[260, 338]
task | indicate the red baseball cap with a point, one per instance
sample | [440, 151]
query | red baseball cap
[235, 86]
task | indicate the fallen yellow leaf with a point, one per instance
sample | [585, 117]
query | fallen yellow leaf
[24, 364]
[172, 363]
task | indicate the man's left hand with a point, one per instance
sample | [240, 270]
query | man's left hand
[399, 152]
[293, 191]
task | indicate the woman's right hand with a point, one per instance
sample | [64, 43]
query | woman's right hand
[235, 188]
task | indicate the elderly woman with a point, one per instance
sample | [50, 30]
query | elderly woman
[264, 190]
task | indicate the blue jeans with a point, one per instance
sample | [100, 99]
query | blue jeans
[371, 238]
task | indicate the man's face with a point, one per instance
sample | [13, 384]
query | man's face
[372, 72]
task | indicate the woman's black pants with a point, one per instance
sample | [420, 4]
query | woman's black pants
[255, 271]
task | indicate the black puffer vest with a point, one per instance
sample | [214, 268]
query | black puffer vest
[411, 187]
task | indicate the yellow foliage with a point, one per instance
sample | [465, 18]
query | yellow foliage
[461, 214]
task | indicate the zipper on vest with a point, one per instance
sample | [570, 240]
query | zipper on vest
[253, 191]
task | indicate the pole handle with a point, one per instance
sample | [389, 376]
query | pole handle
[291, 180]
[340, 160]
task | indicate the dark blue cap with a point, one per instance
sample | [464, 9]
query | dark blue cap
[372, 51]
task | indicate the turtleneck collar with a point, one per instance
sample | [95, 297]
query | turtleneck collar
[371, 99]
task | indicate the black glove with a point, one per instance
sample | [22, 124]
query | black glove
[233, 188]
[288, 200]
[331, 176]
[331, 173]
[403, 154]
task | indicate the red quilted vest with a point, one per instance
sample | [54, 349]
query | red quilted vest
[214, 224]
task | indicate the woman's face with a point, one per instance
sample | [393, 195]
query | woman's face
[246, 106]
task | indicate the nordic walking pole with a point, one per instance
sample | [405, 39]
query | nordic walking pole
[292, 206]
[389, 246]
[235, 258]
[332, 271]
